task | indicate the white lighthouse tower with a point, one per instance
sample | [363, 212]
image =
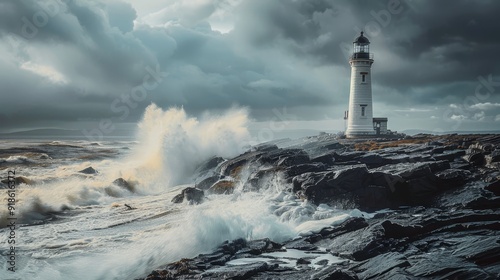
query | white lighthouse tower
[360, 114]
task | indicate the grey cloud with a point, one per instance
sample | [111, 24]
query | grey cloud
[280, 53]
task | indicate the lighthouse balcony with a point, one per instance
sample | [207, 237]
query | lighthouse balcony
[362, 55]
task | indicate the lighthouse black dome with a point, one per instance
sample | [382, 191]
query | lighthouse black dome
[361, 40]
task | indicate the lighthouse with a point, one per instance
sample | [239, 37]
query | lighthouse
[360, 121]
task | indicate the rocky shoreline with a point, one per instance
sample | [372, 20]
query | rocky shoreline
[435, 201]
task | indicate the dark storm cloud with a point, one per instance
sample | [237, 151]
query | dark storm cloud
[72, 64]
[452, 42]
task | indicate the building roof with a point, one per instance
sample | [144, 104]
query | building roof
[361, 40]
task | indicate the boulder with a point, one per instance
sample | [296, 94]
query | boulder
[476, 159]
[206, 183]
[260, 246]
[328, 158]
[438, 150]
[346, 226]
[258, 178]
[210, 164]
[192, 195]
[450, 155]
[295, 170]
[494, 188]
[265, 147]
[452, 178]
[301, 244]
[332, 186]
[378, 266]
[299, 158]
[332, 272]
[178, 198]
[423, 169]
[222, 187]
[494, 156]
[302, 261]
[234, 165]
[284, 157]
[89, 170]
[349, 156]
[236, 271]
[373, 160]
[122, 183]
[18, 180]
[387, 180]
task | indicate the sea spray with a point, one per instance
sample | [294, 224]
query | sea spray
[172, 144]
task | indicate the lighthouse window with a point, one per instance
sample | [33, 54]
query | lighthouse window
[363, 109]
[363, 78]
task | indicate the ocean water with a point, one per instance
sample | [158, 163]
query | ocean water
[72, 225]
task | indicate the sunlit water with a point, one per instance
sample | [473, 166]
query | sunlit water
[76, 226]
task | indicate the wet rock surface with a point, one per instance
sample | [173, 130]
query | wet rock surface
[191, 195]
[441, 217]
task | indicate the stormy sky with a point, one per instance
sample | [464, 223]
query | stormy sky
[73, 63]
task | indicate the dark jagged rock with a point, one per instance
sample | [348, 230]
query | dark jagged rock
[257, 247]
[210, 164]
[206, 183]
[449, 156]
[451, 178]
[265, 147]
[285, 157]
[122, 183]
[332, 272]
[178, 198]
[296, 159]
[230, 167]
[378, 266]
[192, 195]
[89, 170]
[295, 170]
[236, 271]
[222, 187]
[444, 221]
[357, 245]
[301, 244]
[389, 181]
[494, 156]
[476, 159]
[374, 160]
[424, 169]
[494, 188]
[484, 203]
[349, 156]
[348, 225]
[302, 261]
[330, 186]
[328, 158]
[18, 180]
